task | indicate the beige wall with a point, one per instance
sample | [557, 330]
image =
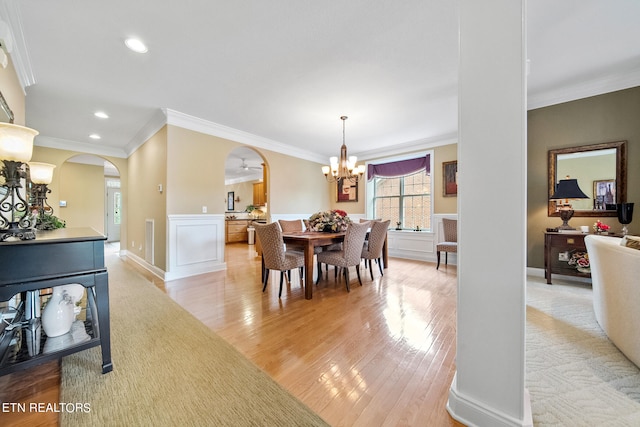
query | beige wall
[604, 118]
[13, 93]
[243, 191]
[441, 204]
[75, 190]
[82, 187]
[148, 169]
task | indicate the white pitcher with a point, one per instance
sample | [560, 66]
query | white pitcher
[58, 315]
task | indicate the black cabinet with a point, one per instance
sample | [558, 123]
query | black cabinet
[56, 257]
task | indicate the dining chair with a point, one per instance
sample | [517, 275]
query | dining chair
[349, 255]
[450, 243]
[373, 246]
[274, 255]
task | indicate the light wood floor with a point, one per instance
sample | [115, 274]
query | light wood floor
[382, 354]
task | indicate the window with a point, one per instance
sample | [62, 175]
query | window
[405, 199]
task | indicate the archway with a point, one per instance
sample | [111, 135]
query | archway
[246, 182]
[90, 195]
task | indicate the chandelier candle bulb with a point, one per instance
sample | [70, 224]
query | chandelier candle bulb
[345, 168]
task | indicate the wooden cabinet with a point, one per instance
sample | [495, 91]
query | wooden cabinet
[236, 230]
[558, 249]
[259, 194]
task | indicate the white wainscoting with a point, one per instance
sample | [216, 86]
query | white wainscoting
[195, 245]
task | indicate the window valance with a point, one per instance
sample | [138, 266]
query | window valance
[399, 168]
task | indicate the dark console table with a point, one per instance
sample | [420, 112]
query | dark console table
[56, 257]
[557, 243]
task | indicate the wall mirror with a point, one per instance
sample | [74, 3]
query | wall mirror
[601, 171]
[6, 115]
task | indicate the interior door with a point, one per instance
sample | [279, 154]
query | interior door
[113, 214]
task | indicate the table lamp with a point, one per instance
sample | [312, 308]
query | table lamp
[16, 147]
[567, 189]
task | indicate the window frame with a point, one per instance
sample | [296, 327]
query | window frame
[370, 189]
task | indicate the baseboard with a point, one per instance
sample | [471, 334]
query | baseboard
[142, 263]
[539, 272]
[473, 413]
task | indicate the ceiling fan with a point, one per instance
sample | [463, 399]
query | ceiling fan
[246, 167]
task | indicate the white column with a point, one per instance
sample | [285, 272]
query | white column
[489, 386]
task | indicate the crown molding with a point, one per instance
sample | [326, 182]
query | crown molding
[186, 121]
[16, 47]
[584, 89]
[157, 122]
[79, 147]
[409, 147]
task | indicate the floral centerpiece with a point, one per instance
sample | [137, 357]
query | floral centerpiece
[581, 261]
[329, 221]
[600, 227]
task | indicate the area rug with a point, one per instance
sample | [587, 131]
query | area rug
[169, 369]
[575, 375]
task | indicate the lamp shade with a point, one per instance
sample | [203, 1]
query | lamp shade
[41, 173]
[16, 142]
[568, 189]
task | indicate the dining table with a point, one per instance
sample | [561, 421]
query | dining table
[308, 240]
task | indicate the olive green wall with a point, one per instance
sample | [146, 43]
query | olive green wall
[603, 118]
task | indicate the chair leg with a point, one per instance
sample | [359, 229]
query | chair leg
[265, 279]
[346, 277]
[358, 273]
[438, 266]
[380, 266]
[262, 266]
[370, 269]
[302, 277]
[446, 258]
[319, 273]
[281, 280]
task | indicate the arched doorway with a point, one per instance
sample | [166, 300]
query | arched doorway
[246, 181]
[90, 195]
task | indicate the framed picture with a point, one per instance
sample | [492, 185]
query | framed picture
[230, 201]
[604, 193]
[449, 181]
[347, 191]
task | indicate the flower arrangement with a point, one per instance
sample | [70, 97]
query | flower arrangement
[600, 227]
[581, 261]
[329, 221]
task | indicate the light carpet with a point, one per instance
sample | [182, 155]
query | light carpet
[170, 369]
[575, 375]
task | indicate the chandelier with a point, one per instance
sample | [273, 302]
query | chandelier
[345, 168]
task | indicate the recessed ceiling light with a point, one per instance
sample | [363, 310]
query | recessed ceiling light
[136, 45]
[101, 114]
[94, 136]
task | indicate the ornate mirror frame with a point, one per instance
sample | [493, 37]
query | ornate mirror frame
[6, 115]
[621, 175]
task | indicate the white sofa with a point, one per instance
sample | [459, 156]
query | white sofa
[615, 274]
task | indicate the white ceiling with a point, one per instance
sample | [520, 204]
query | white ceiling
[282, 72]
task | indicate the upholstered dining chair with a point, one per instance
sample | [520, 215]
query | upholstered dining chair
[373, 246]
[450, 243]
[274, 256]
[349, 255]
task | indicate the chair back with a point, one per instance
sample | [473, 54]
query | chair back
[270, 238]
[377, 237]
[369, 220]
[353, 242]
[450, 227]
[292, 225]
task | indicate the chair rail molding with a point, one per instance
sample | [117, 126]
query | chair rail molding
[195, 245]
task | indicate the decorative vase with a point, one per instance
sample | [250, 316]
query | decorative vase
[58, 315]
[625, 215]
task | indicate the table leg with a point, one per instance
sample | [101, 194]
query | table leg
[308, 270]
[102, 302]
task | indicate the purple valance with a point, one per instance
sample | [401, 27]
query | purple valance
[399, 168]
